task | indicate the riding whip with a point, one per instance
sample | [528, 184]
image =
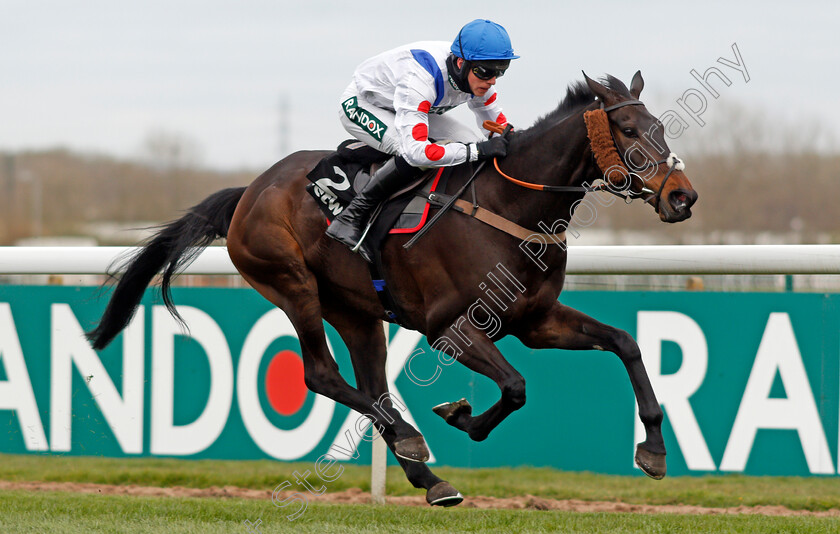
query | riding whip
[446, 207]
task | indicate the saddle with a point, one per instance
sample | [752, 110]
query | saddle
[339, 177]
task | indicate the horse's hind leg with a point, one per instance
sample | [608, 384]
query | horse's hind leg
[366, 342]
[566, 328]
[482, 356]
[288, 284]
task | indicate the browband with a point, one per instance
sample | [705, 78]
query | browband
[622, 104]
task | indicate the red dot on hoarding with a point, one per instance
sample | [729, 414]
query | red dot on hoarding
[284, 383]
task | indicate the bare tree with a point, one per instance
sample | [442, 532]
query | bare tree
[171, 151]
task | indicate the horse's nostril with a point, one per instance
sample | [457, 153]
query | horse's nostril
[678, 201]
[681, 199]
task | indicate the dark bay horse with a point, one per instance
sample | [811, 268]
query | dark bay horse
[275, 237]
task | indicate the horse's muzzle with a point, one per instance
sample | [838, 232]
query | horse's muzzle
[677, 206]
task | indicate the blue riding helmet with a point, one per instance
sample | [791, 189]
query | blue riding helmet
[483, 40]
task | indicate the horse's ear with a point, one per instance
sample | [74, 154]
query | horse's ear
[637, 84]
[605, 95]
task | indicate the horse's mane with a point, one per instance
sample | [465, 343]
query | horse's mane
[578, 96]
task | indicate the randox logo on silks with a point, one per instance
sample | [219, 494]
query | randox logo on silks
[440, 110]
[452, 83]
[368, 122]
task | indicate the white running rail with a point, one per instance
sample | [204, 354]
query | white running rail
[656, 259]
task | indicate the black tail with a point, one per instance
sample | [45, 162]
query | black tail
[170, 250]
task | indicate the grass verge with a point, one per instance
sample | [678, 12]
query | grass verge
[812, 493]
[26, 512]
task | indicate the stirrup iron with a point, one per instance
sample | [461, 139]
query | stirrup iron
[368, 226]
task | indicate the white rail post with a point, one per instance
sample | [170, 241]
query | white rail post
[378, 463]
[379, 456]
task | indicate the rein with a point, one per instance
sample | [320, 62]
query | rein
[547, 188]
[598, 129]
[474, 210]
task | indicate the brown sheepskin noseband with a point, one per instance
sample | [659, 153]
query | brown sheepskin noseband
[601, 140]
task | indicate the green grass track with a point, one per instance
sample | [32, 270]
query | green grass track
[48, 512]
[65, 512]
[796, 493]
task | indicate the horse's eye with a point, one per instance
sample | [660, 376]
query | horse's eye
[629, 132]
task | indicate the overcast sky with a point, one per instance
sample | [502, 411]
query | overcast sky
[101, 76]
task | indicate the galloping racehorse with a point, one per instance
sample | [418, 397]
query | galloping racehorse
[275, 238]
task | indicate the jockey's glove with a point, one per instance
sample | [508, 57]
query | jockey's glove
[493, 147]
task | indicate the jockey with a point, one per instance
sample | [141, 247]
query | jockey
[396, 104]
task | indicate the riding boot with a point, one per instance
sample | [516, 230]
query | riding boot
[349, 226]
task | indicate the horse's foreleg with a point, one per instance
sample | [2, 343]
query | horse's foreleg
[482, 356]
[566, 328]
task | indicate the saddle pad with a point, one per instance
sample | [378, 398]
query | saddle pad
[413, 216]
[333, 177]
[336, 179]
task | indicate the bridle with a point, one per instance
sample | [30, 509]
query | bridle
[673, 162]
[628, 195]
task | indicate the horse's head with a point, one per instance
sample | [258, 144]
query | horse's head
[655, 173]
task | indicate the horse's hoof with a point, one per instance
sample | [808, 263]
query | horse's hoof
[412, 449]
[651, 463]
[450, 410]
[442, 494]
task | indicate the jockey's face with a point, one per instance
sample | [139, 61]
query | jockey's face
[478, 86]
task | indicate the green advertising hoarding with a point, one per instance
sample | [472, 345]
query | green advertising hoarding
[749, 383]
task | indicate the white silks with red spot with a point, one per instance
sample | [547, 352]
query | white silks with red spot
[409, 89]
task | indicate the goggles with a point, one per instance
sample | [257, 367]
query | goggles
[487, 72]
